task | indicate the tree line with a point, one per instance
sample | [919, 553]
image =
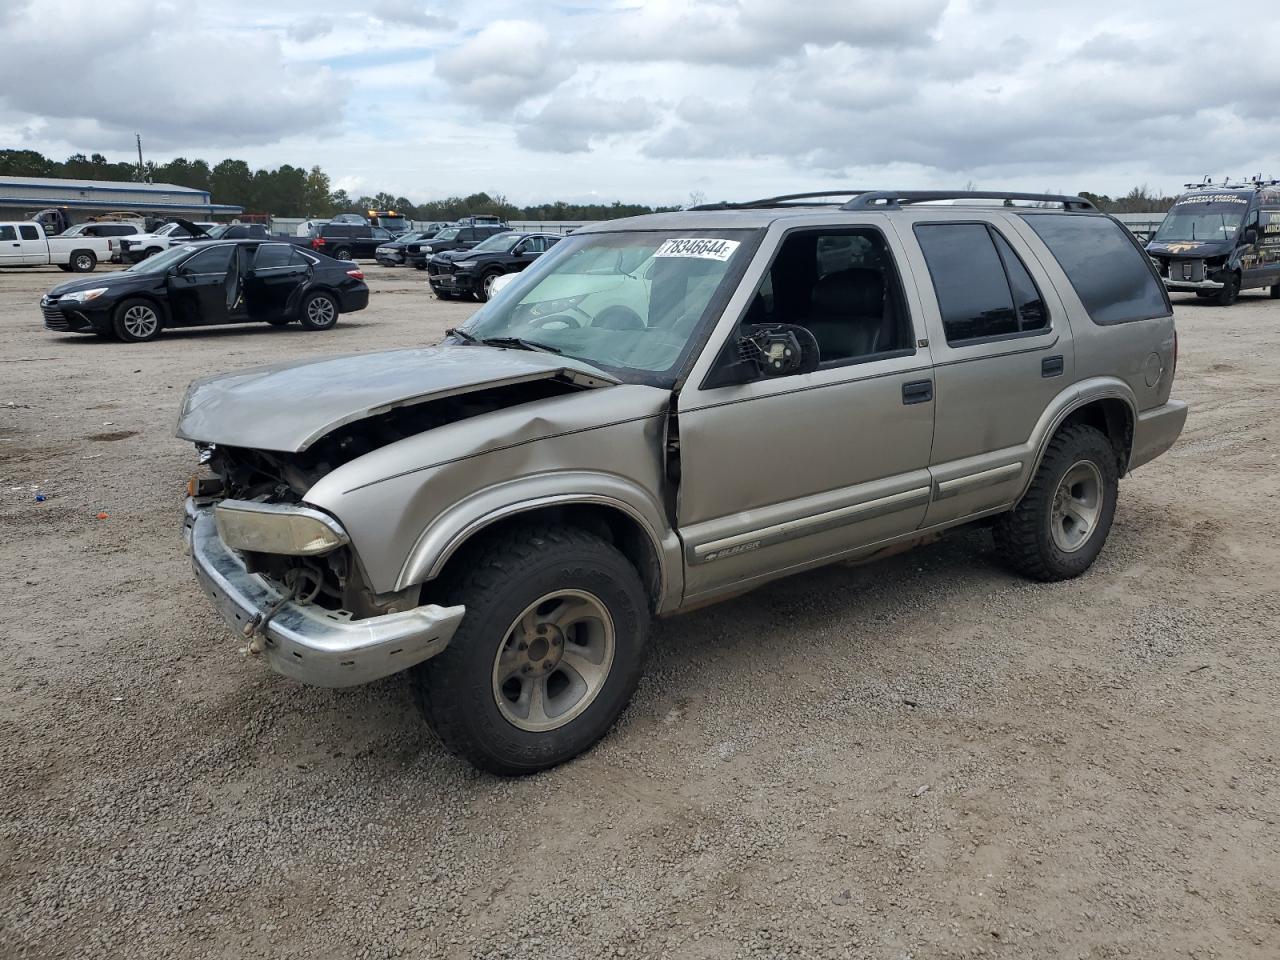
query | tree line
[289, 191]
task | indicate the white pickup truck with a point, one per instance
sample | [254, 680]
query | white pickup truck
[24, 244]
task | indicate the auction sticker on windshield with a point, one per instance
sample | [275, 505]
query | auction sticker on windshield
[703, 248]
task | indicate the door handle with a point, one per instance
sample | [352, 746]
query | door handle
[917, 391]
[1051, 367]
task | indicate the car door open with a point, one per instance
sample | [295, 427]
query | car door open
[203, 287]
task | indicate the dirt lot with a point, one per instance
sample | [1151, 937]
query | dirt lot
[924, 758]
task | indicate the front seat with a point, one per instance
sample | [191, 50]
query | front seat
[848, 313]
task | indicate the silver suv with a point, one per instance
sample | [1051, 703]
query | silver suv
[671, 409]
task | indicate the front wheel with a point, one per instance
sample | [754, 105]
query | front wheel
[1060, 526]
[485, 293]
[548, 654]
[319, 312]
[136, 321]
[1229, 292]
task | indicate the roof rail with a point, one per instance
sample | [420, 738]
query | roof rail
[894, 198]
[784, 200]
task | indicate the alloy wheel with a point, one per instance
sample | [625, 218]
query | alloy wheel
[141, 322]
[1076, 506]
[554, 660]
[320, 311]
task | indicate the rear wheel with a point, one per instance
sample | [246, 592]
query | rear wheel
[136, 320]
[1060, 526]
[342, 253]
[548, 654]
[1229, 292]
[83, 261]
[319, 312]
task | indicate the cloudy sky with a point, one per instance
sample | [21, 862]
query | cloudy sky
[652, 100]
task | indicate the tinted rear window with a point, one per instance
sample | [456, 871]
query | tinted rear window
[1110, 274]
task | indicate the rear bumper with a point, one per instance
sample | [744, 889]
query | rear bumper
[304, 641]
[351, 300]
[1156, 431]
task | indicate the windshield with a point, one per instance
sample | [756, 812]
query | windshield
[1203, 219]
[393, 223]
[219, 230]
[499, 241]
[629, 302]
[447, 234]
[162, 261]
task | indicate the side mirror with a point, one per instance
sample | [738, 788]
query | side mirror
[769, 351]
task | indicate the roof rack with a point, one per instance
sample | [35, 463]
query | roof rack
[786, 199]
[895, 198]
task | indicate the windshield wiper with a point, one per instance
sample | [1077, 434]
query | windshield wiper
[519, 342]
[461, 335]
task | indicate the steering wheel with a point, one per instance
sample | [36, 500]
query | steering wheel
[560, 320]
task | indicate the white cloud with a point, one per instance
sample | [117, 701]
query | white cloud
[191, 86]
[410, 13]
[506, 63]
[302, 31]
[571, 123]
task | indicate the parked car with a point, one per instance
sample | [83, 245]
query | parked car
[505, 511]
[1218, 240]
[308, 228]
[390, 253]
[472, 272]
[133, 249]
[102, 228]
[224, 231]
[346, 241]
[451, 238]
[483, 220]
[204, 284]
[24, 244]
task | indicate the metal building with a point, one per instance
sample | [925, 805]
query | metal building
[80, 199]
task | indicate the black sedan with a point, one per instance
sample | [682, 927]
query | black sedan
[457, 273]
[215, 282]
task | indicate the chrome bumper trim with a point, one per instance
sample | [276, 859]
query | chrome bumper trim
[304, 641]
[1192, 284]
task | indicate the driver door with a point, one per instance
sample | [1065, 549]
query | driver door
[205, 287]
[783, 473]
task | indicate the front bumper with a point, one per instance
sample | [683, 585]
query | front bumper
[318, 646]
[72, 318]
[1192, 284]
[1156, 431]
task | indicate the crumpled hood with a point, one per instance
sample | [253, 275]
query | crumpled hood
[1192, 249]
[289, 406]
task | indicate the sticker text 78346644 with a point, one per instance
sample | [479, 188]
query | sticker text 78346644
[703, 248]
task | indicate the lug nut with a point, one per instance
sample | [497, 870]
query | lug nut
[523, 645]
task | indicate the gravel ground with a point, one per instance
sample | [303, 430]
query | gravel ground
[925, 757]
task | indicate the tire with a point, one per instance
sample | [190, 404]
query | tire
[150, 252]
[83, 261]
[483, 291]
[1036, 538]
[1230, 292]
[137, 320]
[342, 253]
[532, 575]
[319, 311]
[445, 295]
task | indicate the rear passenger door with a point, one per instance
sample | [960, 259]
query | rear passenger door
[277, 271]
[1002, 351]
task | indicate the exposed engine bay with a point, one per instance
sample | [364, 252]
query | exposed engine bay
[334, 580]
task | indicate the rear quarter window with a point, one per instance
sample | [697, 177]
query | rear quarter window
[1111, 275]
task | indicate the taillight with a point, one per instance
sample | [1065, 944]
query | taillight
[357, 274]
[317, 243]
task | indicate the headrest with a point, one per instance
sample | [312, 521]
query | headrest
[858, 291]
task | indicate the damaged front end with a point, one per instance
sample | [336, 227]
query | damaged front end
[283, 571]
